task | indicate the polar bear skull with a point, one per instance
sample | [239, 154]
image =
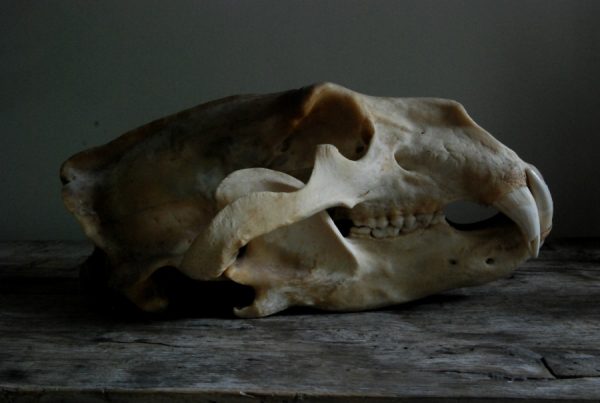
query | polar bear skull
[317, 197]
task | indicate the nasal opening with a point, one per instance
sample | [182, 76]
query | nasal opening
[466, 215]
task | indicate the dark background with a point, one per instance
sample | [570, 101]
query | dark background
[74, 74]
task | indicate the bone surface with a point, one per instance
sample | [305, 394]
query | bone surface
[319, 197]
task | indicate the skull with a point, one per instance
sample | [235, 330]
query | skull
[318, 197]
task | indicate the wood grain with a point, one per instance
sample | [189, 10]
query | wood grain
[534, 337]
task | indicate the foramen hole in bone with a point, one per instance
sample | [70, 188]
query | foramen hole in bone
[318, 197]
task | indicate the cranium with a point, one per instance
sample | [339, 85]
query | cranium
[319, 197]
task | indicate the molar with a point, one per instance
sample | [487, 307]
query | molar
[382, 222]
[379, 233]
[424, 220]
[360, 231]
[392, 231]
[410, 223]
[438, 217]
[359, 221]
[397, 221]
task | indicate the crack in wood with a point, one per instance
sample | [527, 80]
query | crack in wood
[496, 375]
[136, 341]
[563, 376]
[548, 368]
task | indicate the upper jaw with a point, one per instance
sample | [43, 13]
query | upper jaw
[394, 224]
[529, 207]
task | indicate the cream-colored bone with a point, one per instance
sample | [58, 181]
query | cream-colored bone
[309, 263]
[543, 200]
[263, 171]
[520, 206]
[261, 212]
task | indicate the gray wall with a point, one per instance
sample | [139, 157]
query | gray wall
[74, 74]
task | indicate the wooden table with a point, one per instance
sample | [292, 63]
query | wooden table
[534, 337]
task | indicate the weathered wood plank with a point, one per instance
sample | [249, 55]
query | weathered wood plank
[41, 259]
[535, 336]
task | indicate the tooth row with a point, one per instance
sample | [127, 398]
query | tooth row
[382, 227]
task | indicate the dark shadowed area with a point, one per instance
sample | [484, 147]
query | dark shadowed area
[77, 74]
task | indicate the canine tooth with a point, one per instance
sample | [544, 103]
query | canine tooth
[410, 223]
[398, 221]
[424, 219]
[382, 222]
[520, 206]
[379, 233]
[371, 222]
[543, 200]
